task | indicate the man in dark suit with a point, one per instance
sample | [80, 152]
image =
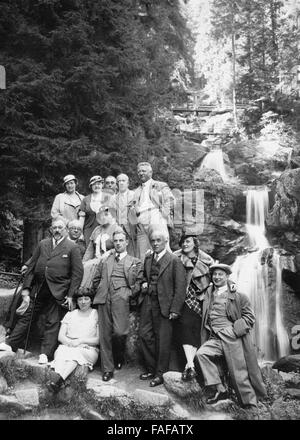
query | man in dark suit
[163, 295]
[118, 277]
[152, 207]
[54, 273]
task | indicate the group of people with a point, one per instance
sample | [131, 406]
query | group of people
[112, 246]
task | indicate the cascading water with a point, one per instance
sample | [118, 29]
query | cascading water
[258, 275]
[214, 160]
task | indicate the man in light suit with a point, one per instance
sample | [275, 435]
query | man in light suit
[121, 202]
[54, 273]
[152, 206]
[117, 278]
[162, 297]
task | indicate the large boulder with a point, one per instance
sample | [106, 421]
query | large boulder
[288, 363]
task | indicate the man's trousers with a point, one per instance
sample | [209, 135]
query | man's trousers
[113, 328]
[44, 303]
[155, 335]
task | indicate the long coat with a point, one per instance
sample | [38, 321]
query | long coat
[171, 283]
[133, 273]
[238, 311]
[61, 267]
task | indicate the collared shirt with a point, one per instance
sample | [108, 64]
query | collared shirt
[121, 255]
[56, 243]
[160, 255]
[219, 290]
[144, 200]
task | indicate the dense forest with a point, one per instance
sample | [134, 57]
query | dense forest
[89, 84]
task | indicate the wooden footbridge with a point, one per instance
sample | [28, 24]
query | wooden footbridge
[206, 110]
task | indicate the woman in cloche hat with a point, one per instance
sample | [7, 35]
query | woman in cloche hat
[90, 206]
[67, 204]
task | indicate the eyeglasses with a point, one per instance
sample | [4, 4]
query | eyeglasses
[73, 228]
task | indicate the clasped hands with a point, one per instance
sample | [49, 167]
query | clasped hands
[76, 343]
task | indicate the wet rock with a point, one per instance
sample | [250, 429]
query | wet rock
[151, 398]
[269, 373]
[288, 363]
[174, 384]
[3, 385]
[294, 393]
[108, 391]
[28, 397]
[90, 414]
[177, 412]
[207, 175]
[11, 403]
[65, 395]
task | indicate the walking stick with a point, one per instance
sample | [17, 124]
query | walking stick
[30, 322]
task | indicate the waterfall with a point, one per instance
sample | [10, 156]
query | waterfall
[214, 160]
[258, 275]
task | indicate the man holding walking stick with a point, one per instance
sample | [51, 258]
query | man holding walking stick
[54, 273]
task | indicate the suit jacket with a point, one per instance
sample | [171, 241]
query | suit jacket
[133, 276]
[61, 267]
[161, 197]
[171, 283]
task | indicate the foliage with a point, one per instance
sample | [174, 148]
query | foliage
[84, 81]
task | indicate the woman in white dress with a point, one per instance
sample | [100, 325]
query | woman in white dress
[79, 339]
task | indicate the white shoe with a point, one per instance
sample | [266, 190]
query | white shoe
[43, 359]
[5, 347]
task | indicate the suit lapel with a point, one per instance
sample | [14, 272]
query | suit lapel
[127, 265]
[59, 248]
[147, 263]
[110, 264]
[164, 262]
[206, 303]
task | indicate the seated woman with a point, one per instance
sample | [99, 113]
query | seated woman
[196, 263]
[99, 244]
[79, 338]
[90, 206]
[67, 204]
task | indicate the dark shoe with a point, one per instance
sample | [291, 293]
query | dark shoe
[147, 376]
[217, 397]
[55, 385]
[188, 374]
[107, 376]
[158, 380]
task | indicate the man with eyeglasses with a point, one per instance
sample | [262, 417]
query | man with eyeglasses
[75, 235]
[54, 274]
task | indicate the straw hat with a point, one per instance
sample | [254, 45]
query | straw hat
[95, 179]
[68, 178]
[221, 266]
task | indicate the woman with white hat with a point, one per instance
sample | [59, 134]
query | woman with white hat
[67, 204]
[90, 206]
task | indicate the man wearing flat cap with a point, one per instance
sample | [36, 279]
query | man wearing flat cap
[225, 333]
[67, 204]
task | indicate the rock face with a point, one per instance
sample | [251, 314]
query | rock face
[288, 363]
[174, 384]
[285, 213]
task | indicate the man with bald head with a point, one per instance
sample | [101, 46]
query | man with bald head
[153, 207]
[121, 202]
[162, 298]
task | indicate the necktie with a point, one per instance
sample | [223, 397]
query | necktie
[117, 258]
[155, 257]
[56, 243]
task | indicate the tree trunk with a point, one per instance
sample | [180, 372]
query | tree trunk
[234, 79]
[34, 232]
